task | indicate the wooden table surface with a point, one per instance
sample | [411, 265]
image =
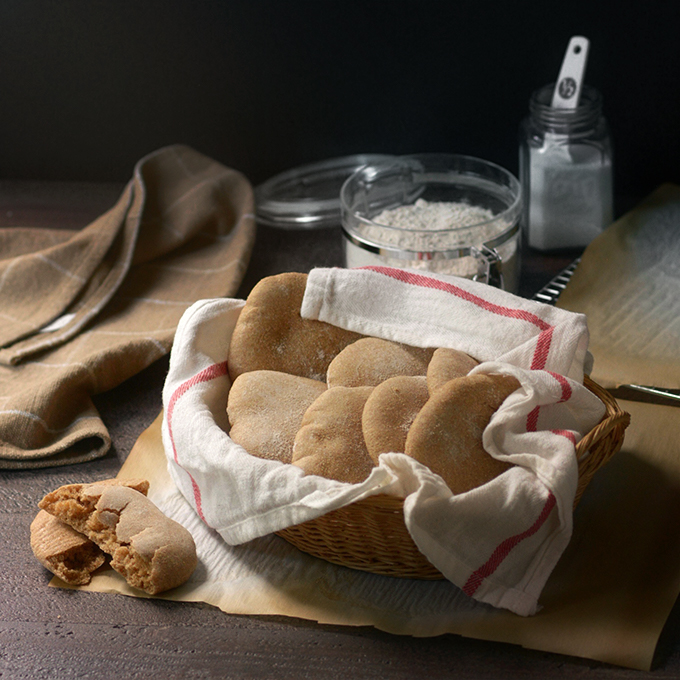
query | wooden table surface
[53, 633]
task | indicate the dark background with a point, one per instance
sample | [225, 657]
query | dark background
[89, 87]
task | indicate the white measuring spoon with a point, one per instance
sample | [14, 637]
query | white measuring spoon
[570, 80]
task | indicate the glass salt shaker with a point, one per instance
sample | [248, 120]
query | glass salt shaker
[565, 164]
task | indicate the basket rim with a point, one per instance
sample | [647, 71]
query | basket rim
[614, 417]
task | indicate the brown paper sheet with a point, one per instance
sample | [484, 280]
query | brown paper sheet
[612, 591]
[628, 285]
[607, 600]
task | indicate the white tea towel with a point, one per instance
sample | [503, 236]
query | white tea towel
[499, 542]
[430, 310]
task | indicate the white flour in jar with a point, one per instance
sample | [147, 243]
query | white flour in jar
[433, 225]
[570, 194]
[428, 228]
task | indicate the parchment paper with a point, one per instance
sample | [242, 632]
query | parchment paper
[607, 600]
[615, 585]
[628, 285]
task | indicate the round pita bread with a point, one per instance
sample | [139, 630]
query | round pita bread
[271, 335]
[265, 409]
[370, 361]
[390, 411]
[447, 433]
[447, 364]
[330, 442]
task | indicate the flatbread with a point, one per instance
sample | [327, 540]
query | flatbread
[265, 409]
[390, 411]
[330, 442]
[447, 433]
[370, 361]
[447, 364]
[271, 335]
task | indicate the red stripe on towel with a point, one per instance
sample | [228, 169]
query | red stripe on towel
[504, 549]
[542, 350]
[569, 434]
[532, 418]
[566, 387]
[427, 282]
[207, 374]
[544, 339]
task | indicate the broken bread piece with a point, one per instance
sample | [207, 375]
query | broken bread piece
[65, 552]
[152, 552]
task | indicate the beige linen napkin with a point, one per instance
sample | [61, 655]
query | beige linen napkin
[82, 311]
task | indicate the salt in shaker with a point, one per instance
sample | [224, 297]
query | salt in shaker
[565, 165]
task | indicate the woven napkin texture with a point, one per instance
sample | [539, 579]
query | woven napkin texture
[82, 311]
[498, 557]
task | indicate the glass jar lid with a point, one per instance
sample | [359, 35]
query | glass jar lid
[307, 197]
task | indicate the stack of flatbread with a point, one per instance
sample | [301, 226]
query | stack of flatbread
[331, 401]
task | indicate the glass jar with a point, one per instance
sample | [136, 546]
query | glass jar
[445, 213]
[565, 161]
[307, 197]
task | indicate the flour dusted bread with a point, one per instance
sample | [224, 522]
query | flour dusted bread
[150, 550]
[330, 442]
[370, 361]
[447, 433]
[271, 335]
[380, 396]
[447, 364]
[390, 411]
[64, 551]
[265, 409]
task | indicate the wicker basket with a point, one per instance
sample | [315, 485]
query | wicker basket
[370, 534]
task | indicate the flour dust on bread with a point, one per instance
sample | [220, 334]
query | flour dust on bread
[390, 411]
[371, 361]
[447, 433]
[265, 410]
[447, 364]
[330, 442]
[270, 333]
